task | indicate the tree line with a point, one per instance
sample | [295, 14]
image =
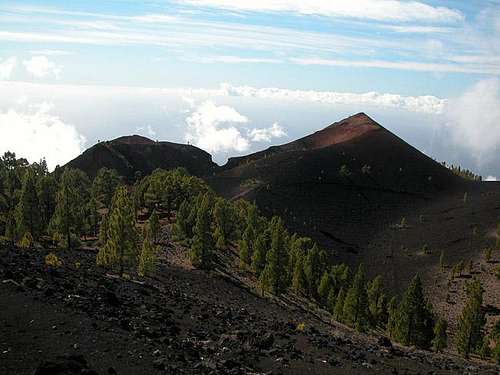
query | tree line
[62, 207]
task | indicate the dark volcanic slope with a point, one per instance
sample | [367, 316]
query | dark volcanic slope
[135, 153]
[302, 182]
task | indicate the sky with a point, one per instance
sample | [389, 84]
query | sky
[236, 76]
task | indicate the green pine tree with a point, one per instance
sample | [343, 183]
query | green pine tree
[414, 323]
[154, 226]
[470, 334]
[330, 302]
[314, 266]
[248, 238]
[259, 255]
[202, 236]
[147, 258]
[392, 312]
[10, 228]
[338, 311]
[277, 258]
[377, 302]
[356, 312]
[104, 186]
[224, 221]
[28, 209]
[103, 229]
[120, 249]
[440, 340]
[182, 229]
[299, 282]
[69, 215]
[47, 190]
[324, 287]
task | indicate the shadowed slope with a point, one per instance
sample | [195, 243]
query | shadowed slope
[132, 154]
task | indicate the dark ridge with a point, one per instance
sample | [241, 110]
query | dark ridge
[137, 155]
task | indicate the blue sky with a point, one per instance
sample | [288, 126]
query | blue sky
[213, 72]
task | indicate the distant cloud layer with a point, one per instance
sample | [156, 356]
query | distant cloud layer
[474, 119]
[424, 104]
[37, 134]
[233, 120]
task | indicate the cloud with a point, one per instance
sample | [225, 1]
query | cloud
[403, 65]
[382, 10]
[240, 60]
[491, 178]
[7, 67]
[41, 67]
[424, 104]
[474, 119]
[36, 134]
[267, 134]
[147, 130]
[50, 52]
[208, 128]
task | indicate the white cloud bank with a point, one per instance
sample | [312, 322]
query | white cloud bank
[491, 178]
[424, 104]
[38, 134]
[474, 119]
[41, 67]
[267, 134]
[213, 128]
[382, 10]
[7, 67]
[207, 128]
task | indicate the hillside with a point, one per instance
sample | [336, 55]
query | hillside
[131, 154]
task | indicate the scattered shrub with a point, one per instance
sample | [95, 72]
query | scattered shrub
[27, 241]
[52, 261]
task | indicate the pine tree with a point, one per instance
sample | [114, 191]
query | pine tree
[28, 209]
[299, 282]
[440, 340]
[224, 220]
[202, 235]
[92, 217]
[154, 226]
[355, 311]
[104, 186]
[277, 258]
[181, 226]
[10, 228]
[259, 255]
[248, 238]
[392, 312]
[324, 287]
[47, 190]
[120, 248]
[414, 322]
[469, 334]
[103, 229]
[147, 258]
[377, 302]
[314, 265]
[338, 311]
[330, 302]
[69, 214]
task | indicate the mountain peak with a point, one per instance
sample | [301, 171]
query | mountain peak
[134, 140]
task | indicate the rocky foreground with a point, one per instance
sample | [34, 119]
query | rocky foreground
[82, 320]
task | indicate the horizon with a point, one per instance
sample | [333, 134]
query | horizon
[233, 78]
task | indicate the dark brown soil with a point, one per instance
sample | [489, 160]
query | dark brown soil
[181, 321]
